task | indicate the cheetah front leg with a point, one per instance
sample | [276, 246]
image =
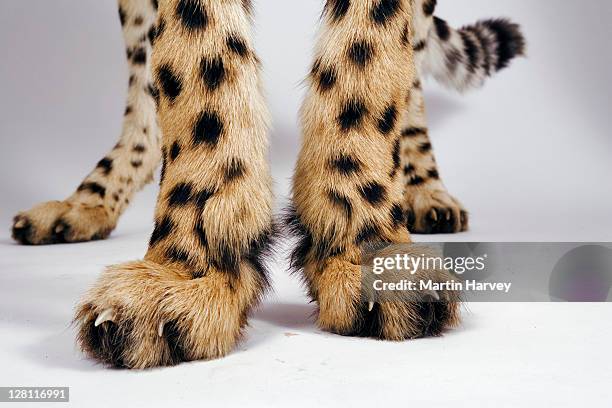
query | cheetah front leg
[93, 210]
[189, 299]
[348, 190]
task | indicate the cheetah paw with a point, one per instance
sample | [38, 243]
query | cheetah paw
[436, 212]
[141, 315]
[56, 222]
[343, 311]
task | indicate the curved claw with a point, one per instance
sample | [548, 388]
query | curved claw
[105, 316]
[434, 214]
[20, 223]
[370, 306]
[160, 329]
[433, 294]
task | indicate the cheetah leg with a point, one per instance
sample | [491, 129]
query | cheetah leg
[190, 297]
[93, 210]
[429, 208]
[347, 186]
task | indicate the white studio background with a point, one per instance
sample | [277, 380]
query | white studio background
[529, 155]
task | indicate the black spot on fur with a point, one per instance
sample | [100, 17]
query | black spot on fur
[429, 7]
[201, 197]
[346, 165]
[180, 194]
[510, 41]
[406, 36]
[93, 188]
[352, 114]
[367, 233]
[374, 193]
[308, 248]
[472, 51]
[162, 230]
[337, 8]
[442, 29]
[161, 27]
[259, 250]
[139, 56]
[178, 255]
[122, 16]
[327, 79]
[247, 5]
[416, 180]
[152, 34]
[419, 46]
[172, 334]
[154, 92]
[304, 244]
[425, 147]
[106, 165]
[234, 170]
[395, 156]
[397, 215]
[208, 129]
[170, 83]
[139, 148]
[164, 166]
[175, 150]
[136, 163]
[386, 123]
[342, 202]
[385, 10]
[414, 131]
[213, 72]
[237, 45]
[225, 258]
[360, 53]
[201, 234]
[192, 14]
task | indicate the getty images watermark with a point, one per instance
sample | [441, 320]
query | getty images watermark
[488, 272]
[404, 263]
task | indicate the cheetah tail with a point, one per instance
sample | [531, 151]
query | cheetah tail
[463, 59]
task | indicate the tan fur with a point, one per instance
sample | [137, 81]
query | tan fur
[213, 216]
[366, 161]
[208, 312]
[333, 204]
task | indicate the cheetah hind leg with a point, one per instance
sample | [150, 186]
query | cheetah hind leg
[93, 210]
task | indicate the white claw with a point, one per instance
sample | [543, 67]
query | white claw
[370, 306]
[20, 224]
[434, 294]
[59, 228]
[434, 214]
[105, 316]
[160, 329]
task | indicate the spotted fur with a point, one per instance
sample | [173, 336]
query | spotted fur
[366, 173]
